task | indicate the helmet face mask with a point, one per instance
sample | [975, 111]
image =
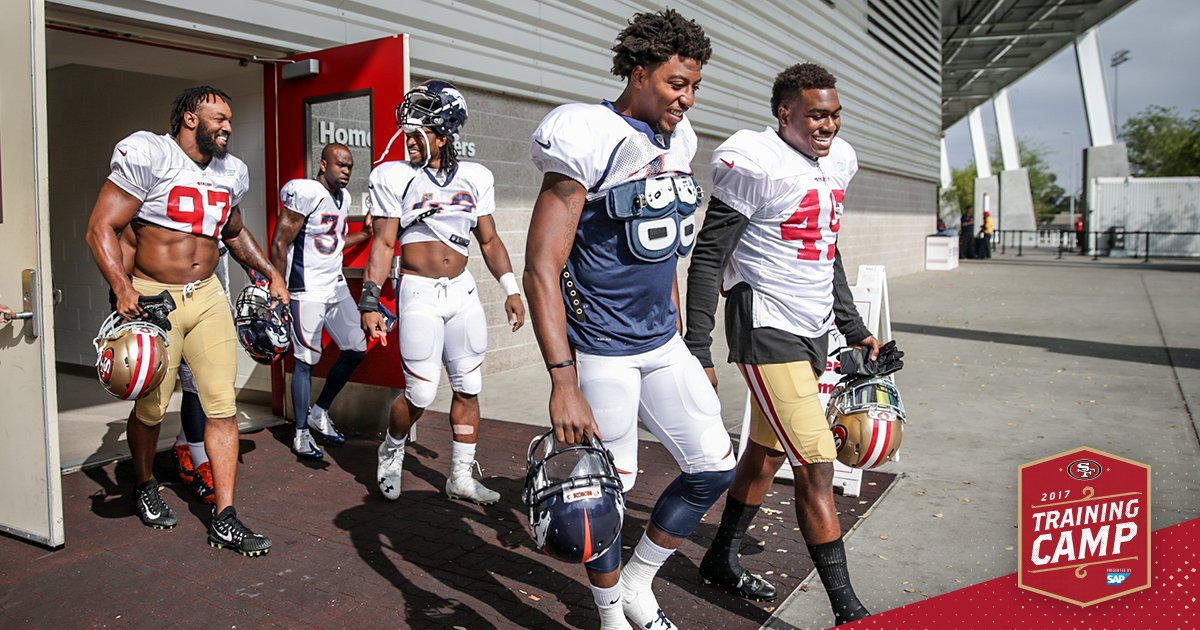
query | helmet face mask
[867, 418]
[263, 325]
[575, 499]
[131, 357]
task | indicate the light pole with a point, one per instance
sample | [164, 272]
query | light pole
[1118, 58]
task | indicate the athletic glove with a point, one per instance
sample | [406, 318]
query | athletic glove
[155, 309]
[857, 361]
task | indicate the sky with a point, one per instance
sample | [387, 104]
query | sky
[1163, 38]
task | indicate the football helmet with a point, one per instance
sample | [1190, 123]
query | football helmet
[434, 104]
[131, 357]
[867, 418]
[575, 498]
[263, 325]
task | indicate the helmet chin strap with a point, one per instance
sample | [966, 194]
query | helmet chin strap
[425, 141]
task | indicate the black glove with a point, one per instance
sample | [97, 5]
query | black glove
[155, 309]
[857, 361]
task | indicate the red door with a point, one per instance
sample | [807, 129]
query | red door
[349, 95]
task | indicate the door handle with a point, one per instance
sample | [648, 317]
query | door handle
[29, 295]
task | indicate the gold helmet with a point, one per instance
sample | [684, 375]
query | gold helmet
[131, 357]
[867, 418]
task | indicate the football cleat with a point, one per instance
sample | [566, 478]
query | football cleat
[227, 532]
[747, 586]
[391, 465]
[321, 424]
[202, 484]
[462, 485]
[305, 447]
[182, 456]
[151, 508]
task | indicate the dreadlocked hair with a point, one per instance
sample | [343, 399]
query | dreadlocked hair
[802, 76]
[448, 156]
[652, 38]
[189, 100]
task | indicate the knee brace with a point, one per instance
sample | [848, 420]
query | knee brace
[685, 501]
[608, 562]
[418, 392]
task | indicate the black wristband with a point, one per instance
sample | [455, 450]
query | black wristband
[560, 364]
[368, 302]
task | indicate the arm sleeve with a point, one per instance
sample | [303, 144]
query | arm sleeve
[563, 144]
[845, 314]
[133, 166]
[723, 228]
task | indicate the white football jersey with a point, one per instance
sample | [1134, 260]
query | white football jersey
[433, 205]
[795, 209]
[175, 192]
[597, 147]
[314, 262]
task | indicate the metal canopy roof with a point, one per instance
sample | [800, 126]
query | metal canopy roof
[988, 45]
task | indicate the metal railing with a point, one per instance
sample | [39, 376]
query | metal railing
[1105, 242]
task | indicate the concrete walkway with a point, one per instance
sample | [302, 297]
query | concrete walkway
[1011, 360]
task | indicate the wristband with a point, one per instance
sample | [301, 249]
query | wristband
[509, 282]
[368, 302]
[560, 364]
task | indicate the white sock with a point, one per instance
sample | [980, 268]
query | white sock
[180, 440]
[638, 599]
[199, 455]
[608, 602]
[392, 442]
[460, 452]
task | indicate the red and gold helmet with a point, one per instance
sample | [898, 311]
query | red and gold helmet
[131, 357]
[867, 418]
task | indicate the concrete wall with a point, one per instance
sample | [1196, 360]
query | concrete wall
[1015, 210]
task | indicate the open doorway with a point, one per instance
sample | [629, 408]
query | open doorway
[101, 87]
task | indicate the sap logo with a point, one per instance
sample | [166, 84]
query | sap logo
[1115, 579]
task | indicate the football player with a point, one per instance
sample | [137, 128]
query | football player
[433, 203]
[180, 193]
[615, 213]
[771, 230]
[310, 234]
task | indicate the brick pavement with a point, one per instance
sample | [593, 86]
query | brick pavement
[345, 556]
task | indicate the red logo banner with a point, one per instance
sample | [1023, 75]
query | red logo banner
[1084, 526]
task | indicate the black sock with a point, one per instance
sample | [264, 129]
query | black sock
[721, 561]
[830, 559]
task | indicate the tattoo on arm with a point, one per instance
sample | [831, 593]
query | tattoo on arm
[243, 247]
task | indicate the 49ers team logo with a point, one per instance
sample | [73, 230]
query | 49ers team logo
[1084, 526]
[839, 437]
[104, 365]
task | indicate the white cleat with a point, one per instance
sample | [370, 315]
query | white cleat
[305, 447]
[391, 464]
[463, 486]
[321, 424]
[641, 607]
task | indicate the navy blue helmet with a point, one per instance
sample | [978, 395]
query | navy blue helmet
[575, 498]
[263, 325]
[435, 105]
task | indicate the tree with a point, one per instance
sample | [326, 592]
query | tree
[1162, 143]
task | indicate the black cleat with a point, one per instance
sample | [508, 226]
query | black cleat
[227, 532]
[746, 585]
[151, 508]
